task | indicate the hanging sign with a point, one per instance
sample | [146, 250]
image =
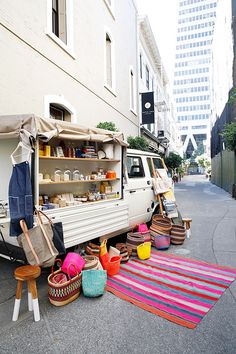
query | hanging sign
[148, 108]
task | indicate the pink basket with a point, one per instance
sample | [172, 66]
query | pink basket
[76, 260]
[162, 242]
[142, 228]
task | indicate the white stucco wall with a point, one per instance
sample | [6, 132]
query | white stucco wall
[164, 119]
[34, 66]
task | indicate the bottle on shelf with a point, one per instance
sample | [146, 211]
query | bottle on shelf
[47, 150]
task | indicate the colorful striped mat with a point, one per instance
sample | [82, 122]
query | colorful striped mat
[179, 289]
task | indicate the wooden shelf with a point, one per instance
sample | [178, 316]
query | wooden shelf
[80, 181]
[76, 159]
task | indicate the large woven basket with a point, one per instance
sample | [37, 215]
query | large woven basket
[62, 294]
[177, 234]
[134, 239]
[160, 225]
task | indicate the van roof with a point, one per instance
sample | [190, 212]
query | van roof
[143, 153]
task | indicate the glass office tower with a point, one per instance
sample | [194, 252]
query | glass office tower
[192, 75]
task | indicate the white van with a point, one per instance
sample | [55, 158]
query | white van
[131, 202]
[138, 191]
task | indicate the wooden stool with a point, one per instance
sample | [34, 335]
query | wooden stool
[187, 222]
[27, 273]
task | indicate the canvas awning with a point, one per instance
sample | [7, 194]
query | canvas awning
[24, 126]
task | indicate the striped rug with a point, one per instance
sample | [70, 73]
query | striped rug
[182, 290]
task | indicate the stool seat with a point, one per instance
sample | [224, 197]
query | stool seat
[186, 219]
[27, 272]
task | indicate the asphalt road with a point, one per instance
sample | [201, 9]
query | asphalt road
[111, 325]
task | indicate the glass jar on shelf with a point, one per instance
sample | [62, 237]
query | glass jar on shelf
[57, 175]
[67, 175]
[76, 175]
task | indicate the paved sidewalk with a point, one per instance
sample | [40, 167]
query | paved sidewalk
[111, 325]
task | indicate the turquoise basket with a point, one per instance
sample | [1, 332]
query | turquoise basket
[94, 282]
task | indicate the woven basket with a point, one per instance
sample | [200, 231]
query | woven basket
[177, 234]
[124, 252]
[62, 294]
[92, 262]
[94, 282]
[161, 223]
[134, 239]
[162, 242]
[92, 249]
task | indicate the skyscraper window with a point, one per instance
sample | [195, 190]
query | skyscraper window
[195, 31]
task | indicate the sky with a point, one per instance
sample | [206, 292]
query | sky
[162, 15]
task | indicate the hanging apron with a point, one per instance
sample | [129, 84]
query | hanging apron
[20, 198]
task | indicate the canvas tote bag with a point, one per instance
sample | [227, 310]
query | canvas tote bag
[37, 243]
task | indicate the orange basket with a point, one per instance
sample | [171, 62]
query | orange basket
[113, 266]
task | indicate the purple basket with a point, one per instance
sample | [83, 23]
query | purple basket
[162, 242]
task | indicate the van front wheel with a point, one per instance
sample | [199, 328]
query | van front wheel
[155, 212]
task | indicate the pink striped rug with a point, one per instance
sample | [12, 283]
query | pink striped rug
[179, 289]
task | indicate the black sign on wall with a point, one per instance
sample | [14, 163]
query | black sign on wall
[148, 108]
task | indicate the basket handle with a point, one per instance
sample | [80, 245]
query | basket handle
[56, 260]
[27, 237]
[68, 270]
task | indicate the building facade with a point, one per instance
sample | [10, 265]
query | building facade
[192, 86]
[223, 161]
[68, 60]
[162, 134]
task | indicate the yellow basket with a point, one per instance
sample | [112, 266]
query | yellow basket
[144, 250]
[103, 248]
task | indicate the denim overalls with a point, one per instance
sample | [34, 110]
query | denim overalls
[20, 198]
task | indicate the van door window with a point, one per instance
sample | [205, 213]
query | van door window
[135, 167]
[157, 164]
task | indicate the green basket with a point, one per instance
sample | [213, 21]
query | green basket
[94, 282]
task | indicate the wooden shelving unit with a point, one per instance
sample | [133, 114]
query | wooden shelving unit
[79, 181]
[76, 159]
[86, 166]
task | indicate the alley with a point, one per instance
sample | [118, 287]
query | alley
[111, 325]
